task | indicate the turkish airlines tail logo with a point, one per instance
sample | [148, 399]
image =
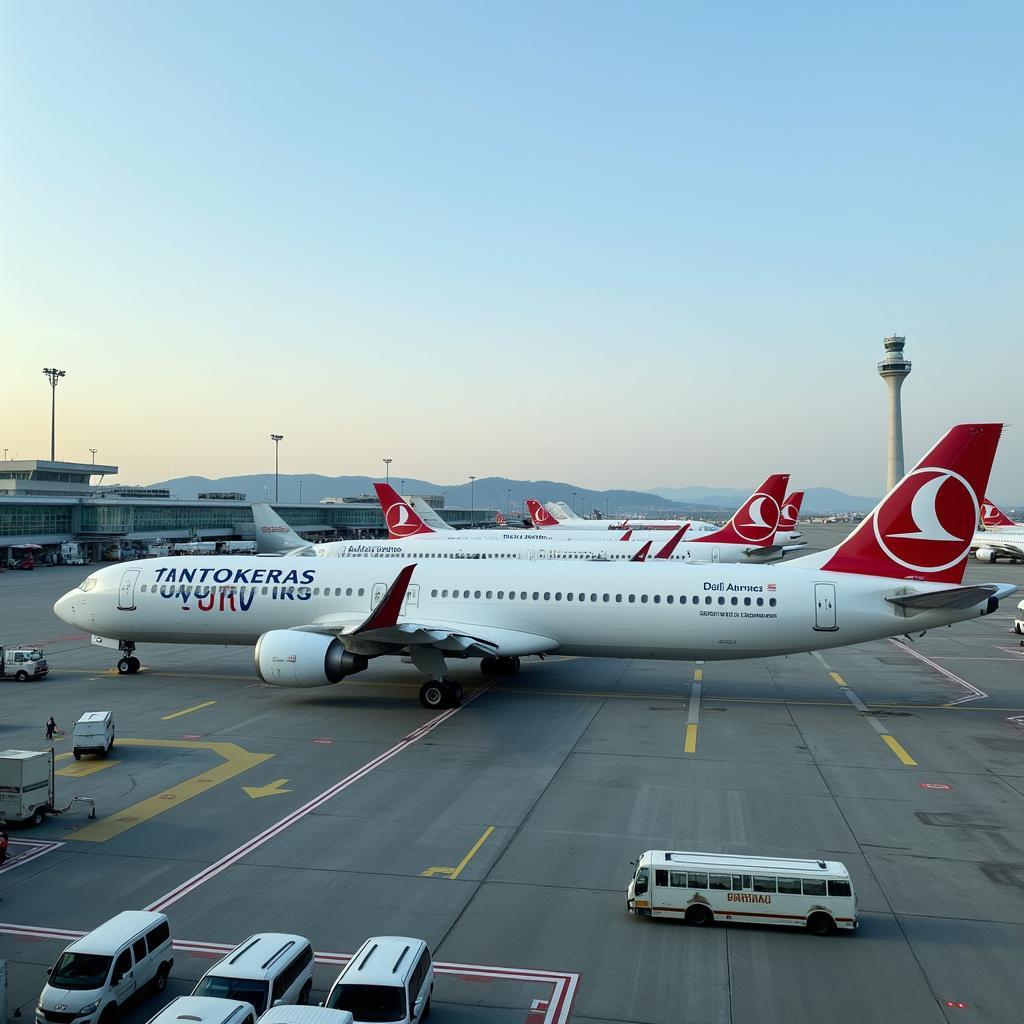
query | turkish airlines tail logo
[923, 527]
[501, 520]
[993, 515]
[401, 518]
[791, 511]
[756, 520]
[540, 515]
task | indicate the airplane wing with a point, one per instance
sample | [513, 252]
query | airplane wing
[381, 633]
[950, 597]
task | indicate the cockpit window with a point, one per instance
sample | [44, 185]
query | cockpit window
[88, 584]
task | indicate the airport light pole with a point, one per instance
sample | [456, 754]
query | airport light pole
[508, 502]
[472, 502]
[401, 489]
[300, 492]
[574, 501]
[387, 470]
[53, 375]
[277, 439]
[93, 450]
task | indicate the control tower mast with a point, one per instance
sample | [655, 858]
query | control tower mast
[893, 369]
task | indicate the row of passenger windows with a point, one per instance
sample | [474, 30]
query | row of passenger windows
[547, 595]
[751, 883]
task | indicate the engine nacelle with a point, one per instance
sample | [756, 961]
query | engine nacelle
[288, 657]
[986, 555]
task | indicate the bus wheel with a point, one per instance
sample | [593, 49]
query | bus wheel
[699, 915]
[820, 924]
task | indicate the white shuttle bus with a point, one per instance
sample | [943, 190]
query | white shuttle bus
[706, 887]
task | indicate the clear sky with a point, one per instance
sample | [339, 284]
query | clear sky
[618, 244]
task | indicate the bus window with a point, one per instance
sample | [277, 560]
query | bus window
[814, 886]
[641, 882]
[790, 886]
[698, 879]
[737, 882]
[837, 887]
[661, 877]
[764, 883]
[677, 879]
[720, 882]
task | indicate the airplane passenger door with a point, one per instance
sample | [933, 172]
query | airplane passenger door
[412, 598]
[126, 595]
[825, 607]
[716, 554]
[377, 594]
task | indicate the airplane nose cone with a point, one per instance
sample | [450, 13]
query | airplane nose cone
[65, 607]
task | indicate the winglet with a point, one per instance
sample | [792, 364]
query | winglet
[756, 520]
[673, 543]
[540, 516]
[385, 614]
[993, 515]
[401, 518]
[641, 555]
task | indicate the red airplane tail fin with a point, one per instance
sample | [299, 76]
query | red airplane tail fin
[401, 518]
[756, 520]
[791, 511]
[993, 515]
[673, 543]
[540, 515]
[641, 555]
[626, 535]
[922, 529]
[501, 520]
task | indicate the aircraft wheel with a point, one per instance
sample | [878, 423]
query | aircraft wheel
[511, 666]
[490, 666]
[124, 666]
[457, 694]
[134, 665]
[434, 695]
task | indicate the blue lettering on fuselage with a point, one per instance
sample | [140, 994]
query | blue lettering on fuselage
[171, 584]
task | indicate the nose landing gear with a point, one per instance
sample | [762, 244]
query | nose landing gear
[128, 664]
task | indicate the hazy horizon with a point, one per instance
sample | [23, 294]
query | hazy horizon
[597, 243]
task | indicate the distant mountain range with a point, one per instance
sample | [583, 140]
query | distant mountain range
[495, 492]
[816, 499]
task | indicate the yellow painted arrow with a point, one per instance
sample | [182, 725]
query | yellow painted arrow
[271, 789]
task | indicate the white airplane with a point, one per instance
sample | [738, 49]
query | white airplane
[542, 518]
[991, 545]
[274, 536]
[994, 518]
[314, 623]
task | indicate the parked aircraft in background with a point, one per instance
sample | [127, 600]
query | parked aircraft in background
[789, 516]
[542, 518]
[994, 518]
[315, 622]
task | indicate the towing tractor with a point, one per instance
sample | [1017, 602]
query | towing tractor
[22, 663]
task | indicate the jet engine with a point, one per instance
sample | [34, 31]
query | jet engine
[986, 555]
[288, 657]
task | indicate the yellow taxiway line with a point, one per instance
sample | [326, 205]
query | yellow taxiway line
[457, 870]
[236, 761]
[188, 711]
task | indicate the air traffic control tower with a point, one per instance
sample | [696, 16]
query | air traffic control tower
[893, 369]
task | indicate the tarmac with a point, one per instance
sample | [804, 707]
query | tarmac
[502, 832]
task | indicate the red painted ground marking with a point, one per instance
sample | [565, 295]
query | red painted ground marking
[33, 848]
[956, 1005]
[557, 1009]
[934, 785]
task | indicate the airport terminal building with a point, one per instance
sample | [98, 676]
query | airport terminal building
[46, 505]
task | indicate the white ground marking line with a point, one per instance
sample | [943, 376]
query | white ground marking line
[558, 1009]
[214, 869]
[37, 848]
[973, 693]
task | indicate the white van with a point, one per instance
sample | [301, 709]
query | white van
[100, 972]
[199, 1009]
[305, 1015]
[266, 970]
[390, 978]
[93, 734]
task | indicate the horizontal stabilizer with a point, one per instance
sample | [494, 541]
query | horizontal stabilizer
[952, 597]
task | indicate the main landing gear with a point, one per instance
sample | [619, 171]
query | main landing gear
[436, 694]
[499, 666]
[128, 664]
